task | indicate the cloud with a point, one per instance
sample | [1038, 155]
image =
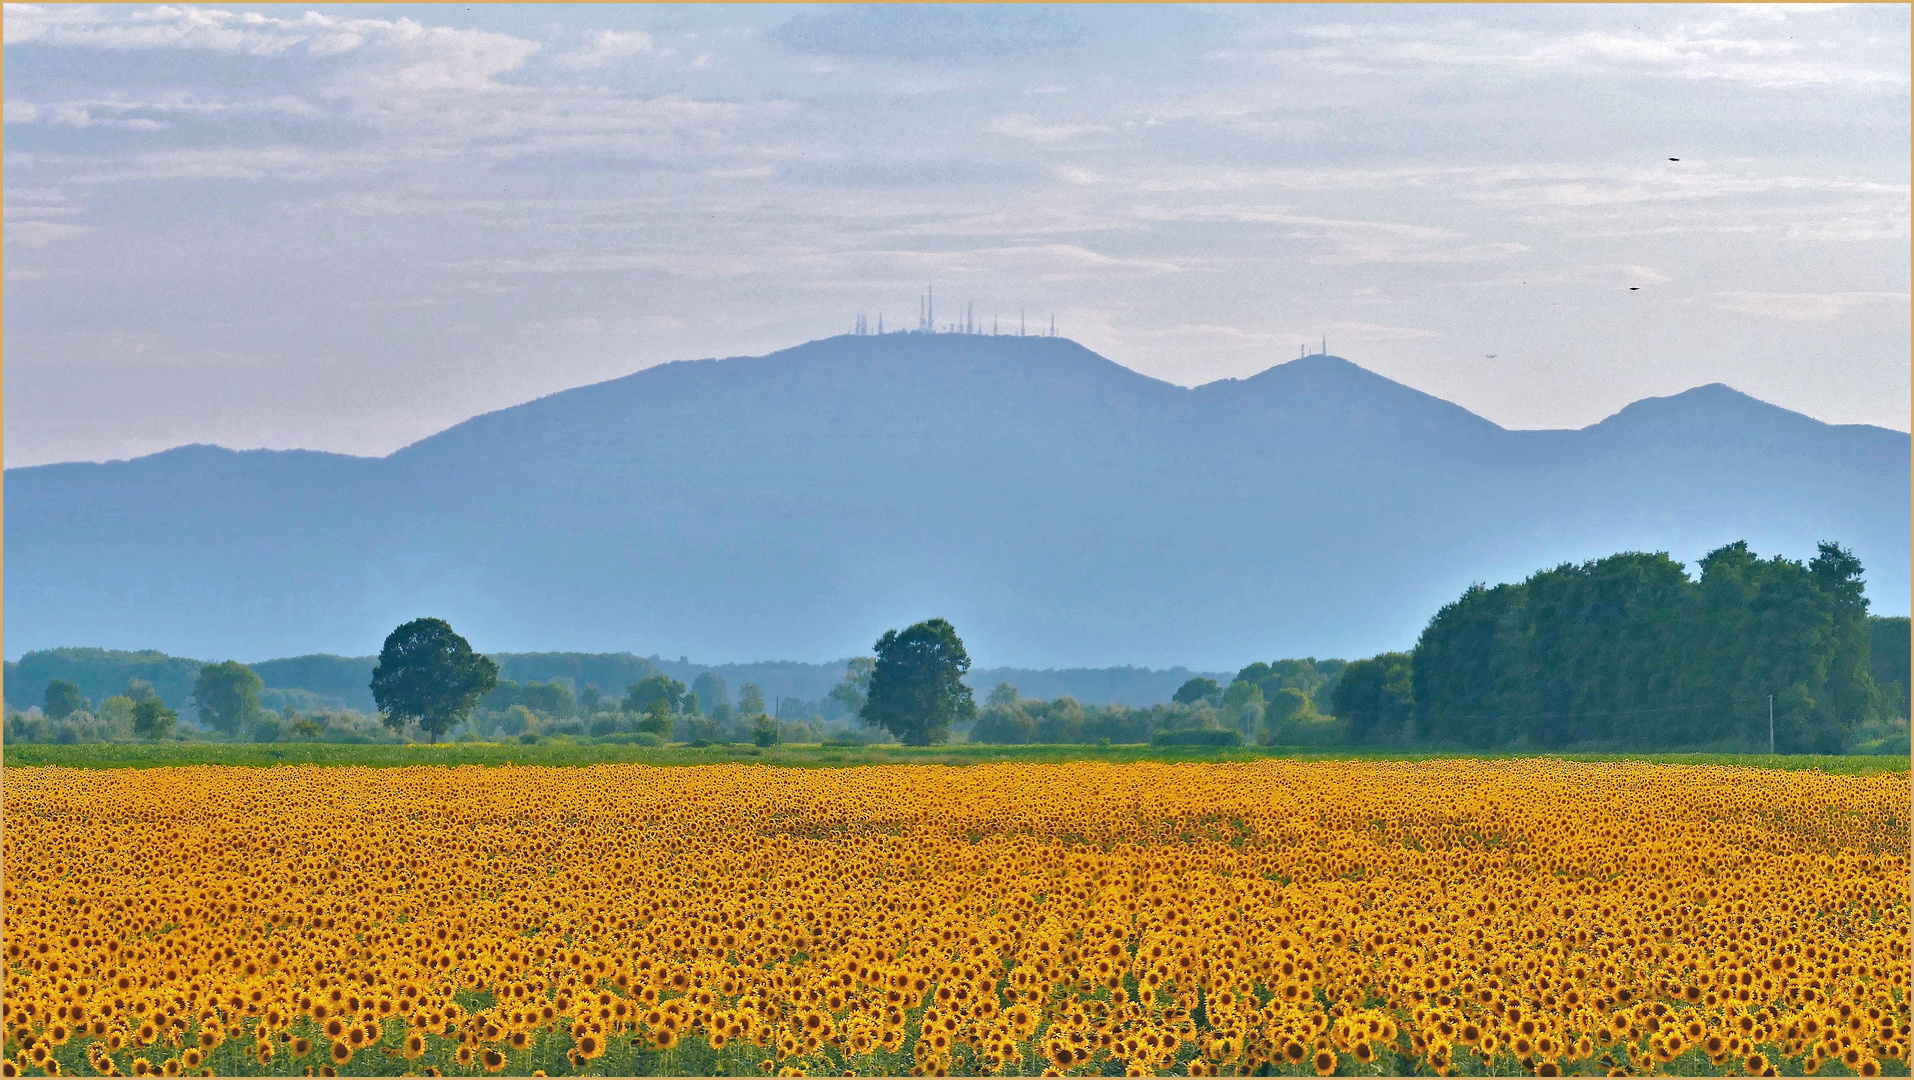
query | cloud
[1019, 126]
[604, 46]
[1359, 331]
[1780, 12]
[1803, 307]
[929, 32]
[42, 233]
[407, 55]
[1693, 52]
[162, 27]
[1352, 241]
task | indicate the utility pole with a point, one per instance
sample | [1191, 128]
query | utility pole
[1770, 723]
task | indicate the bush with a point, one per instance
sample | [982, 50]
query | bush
[611, 724]
[266, 729]
[1879, 737]
[764, 731]
[528, 738]
[1197, 737]
[1321, 731]
[631, 738]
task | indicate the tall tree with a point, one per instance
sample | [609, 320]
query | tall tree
[550, 698]
[61, 700]
[711, 690]
[750, 700]
[226, 695]
[1198, 689]
[640, 695]
[917, 683]
[851, 691]
[1888, 659]
[428, 674]
[1375, 698]
[152, 719]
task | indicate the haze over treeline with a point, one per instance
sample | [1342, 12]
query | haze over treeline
[1062, 509]
[1628, 652]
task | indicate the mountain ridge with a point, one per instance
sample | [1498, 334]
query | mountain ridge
[1288, 368]
[1063, 510]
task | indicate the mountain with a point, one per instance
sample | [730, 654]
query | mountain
[1060, 509]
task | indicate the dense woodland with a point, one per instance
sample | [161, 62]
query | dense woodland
[1627, 652]
[1623, 653]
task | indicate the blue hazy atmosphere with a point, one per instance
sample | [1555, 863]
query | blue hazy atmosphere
[1059, 508]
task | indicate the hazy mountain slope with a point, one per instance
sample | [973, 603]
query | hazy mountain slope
[1062, 510]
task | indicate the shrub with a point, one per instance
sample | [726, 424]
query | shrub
[1197, 737]
[764, 731]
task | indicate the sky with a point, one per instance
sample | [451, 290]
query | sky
[345, 228]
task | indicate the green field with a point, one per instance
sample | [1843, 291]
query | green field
[562, 752]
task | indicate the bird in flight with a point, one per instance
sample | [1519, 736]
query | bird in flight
[1491, 356]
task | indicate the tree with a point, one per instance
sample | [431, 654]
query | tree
[711, 690]
[152, 719]
[856, 685]
[764, 731]
[226, 695]
[502, 696]
[1004, 695]
[1243, 705]
[139, 689]
[657, 718]
[917, 683]
[1374, 699]
[428, 674]
[550, 698]
[640, 695]
[1888, 662]
[1198, 689]
[62, 699]
[589, 698]
[750, 700]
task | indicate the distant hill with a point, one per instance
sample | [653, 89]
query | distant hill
[343, 682]
[1060, 509]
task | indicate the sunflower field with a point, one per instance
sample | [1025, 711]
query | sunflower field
[1355, 918]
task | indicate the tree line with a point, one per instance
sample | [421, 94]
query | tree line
[1630, 652]
[1622, 653]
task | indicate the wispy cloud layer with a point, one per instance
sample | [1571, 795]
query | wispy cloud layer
[1542, 213]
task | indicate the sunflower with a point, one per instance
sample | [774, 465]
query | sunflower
[1325, 1063]
[341, 1053]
